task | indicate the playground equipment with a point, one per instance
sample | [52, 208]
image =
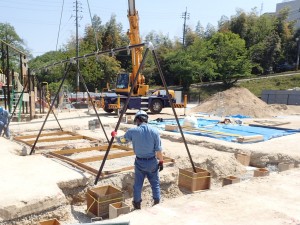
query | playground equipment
[18, 91]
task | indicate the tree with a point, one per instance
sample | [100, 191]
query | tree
[190, 37]
[224, 24]
[96, 29]
[230, 55]
[112, 35]
[205, 66]
[163, 45]
[200, 30]
[265, 54]
[10, 36]
[210, 31]
[181, 66]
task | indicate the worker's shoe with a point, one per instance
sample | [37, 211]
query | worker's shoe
[136, 205]
[156, 201]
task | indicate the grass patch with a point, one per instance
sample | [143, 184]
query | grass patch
[256, 86]
[271, 83]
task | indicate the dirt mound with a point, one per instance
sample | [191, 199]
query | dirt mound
[238, 101]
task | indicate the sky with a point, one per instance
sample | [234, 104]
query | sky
[37, 21]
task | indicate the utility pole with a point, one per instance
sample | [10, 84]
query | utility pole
[185, 17]
[77, 51]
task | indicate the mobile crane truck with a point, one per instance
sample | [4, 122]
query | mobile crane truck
[140, 98]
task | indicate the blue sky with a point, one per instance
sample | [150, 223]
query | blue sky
[37, 21]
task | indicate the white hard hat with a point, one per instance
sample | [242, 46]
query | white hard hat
[141, 115]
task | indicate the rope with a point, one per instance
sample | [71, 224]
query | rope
[96, 40]
[62, 9]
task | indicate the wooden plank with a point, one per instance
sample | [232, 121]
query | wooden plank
[43, 135]
[98, 148]
[111, 156]
[167, 161]
[57, 139]
[271, 122]
[253, 138]
[122, 147]
[89, 138]
[75, 163]
[127, 168]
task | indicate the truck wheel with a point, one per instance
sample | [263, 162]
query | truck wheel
[156, 106]
[108, 110]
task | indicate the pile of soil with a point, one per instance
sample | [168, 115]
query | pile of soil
[241, 101]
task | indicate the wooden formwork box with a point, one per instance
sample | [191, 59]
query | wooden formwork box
[243, 158]
[191, 181]
[285, 166]
[49, 222]
[261, 172]
[99, 198]
[117, 209]
[230, 180]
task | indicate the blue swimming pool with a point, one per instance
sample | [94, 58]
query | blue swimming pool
[227, 132]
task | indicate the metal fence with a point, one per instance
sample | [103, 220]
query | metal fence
[281, 97]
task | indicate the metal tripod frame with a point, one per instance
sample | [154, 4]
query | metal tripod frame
[149, 46]
[53, 102]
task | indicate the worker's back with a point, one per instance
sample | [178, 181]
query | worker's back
[145, 140]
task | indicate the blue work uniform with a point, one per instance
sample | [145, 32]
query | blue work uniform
[4, 116]
[146, 142]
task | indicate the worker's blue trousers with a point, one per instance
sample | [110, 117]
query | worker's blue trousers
[6, 130]
[149, 169]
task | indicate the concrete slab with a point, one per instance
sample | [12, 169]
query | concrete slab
[32, 184]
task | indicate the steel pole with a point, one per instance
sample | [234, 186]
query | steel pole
[51, 108]
[174, 112]
[122, 113]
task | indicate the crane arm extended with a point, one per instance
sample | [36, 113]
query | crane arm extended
[134, 37]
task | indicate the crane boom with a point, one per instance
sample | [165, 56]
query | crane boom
[131, 7]
[136, 55]
[140, 97]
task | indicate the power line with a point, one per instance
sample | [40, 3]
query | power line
[62, 9]
[96, 40]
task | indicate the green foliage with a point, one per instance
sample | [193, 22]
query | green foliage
[271, 83]
[10, 36]
[229, 53]
[256, 86]
[163, 45]
[242, 44]
[268, 38]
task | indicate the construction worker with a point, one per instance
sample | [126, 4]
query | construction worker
[149, 159]
[4, 116]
